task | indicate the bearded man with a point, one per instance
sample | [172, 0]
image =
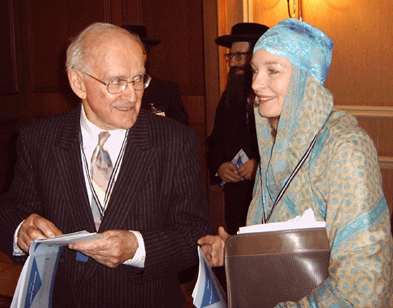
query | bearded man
[234, 127]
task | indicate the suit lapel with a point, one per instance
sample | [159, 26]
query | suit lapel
[68, 160]
[138, 159]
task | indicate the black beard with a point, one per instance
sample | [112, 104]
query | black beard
[239, 84]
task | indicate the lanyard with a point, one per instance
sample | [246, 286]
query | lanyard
[289, 180]
[101, 208]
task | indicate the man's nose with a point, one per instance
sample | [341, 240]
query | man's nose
[129, 92]
[234, 62]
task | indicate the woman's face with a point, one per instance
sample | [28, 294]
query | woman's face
[271, 77]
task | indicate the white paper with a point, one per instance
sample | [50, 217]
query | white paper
[71, 238]
[36, 280]
[208, 292]
[307, 220]
[240, 158]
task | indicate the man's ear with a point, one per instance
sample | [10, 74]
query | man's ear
[77, 83]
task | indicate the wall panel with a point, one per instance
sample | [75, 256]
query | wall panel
[50, 25]
[8, 76]
[179, 57]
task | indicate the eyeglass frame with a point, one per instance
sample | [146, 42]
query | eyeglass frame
[237, 55]
[124, 87]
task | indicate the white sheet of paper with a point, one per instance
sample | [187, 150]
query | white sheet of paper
[307, 220]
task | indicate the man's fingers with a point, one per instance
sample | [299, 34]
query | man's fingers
[207, 239]
[222, 233]
[94, 246]
[48, 228]
[45, 227]
[206, 249]
[24, 243]
[232, 177]
[33, 228]
[116, 247]
[213, 247]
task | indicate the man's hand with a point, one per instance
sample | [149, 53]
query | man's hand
[213, 247]
[35, 227]
[228, 173]
[248, 170]
[116, 247]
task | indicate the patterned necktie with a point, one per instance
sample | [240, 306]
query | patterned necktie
[101, 170]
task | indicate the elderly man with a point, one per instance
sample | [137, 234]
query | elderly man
[110, 167]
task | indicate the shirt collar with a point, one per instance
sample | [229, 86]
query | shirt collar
[91, 131]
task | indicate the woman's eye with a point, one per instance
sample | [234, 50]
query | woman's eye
[273, 72]
[253, 71]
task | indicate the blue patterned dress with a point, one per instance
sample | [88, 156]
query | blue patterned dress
[340, 181]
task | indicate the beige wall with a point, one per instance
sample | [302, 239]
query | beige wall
[362, 71]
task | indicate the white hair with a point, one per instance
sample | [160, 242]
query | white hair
[76, 51]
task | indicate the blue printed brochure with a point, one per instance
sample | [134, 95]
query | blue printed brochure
[208, 292]
[35, 284]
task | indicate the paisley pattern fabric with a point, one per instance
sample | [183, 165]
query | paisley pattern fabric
[340, 181]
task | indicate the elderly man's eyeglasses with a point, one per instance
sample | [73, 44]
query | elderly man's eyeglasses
[117, 86]
[236, 55]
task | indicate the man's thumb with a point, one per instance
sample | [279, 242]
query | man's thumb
[222, 233]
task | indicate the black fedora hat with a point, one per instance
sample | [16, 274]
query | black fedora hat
[142, 32]
[242, 32]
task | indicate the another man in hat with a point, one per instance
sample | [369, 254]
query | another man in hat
[234, 127]
[162, 97]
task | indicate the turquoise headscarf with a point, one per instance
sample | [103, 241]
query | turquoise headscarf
[306, 47]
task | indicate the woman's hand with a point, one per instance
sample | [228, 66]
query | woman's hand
[213, 247]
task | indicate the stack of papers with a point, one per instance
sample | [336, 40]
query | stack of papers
[305, 221]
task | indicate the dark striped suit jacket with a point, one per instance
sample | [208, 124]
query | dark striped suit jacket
[158, 192]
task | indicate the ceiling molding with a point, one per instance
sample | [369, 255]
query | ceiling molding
[385, 162]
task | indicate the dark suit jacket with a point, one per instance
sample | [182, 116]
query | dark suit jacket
[158, 192]
[165, 96]
[231, 132]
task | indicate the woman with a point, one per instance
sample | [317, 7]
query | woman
[340, 180]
